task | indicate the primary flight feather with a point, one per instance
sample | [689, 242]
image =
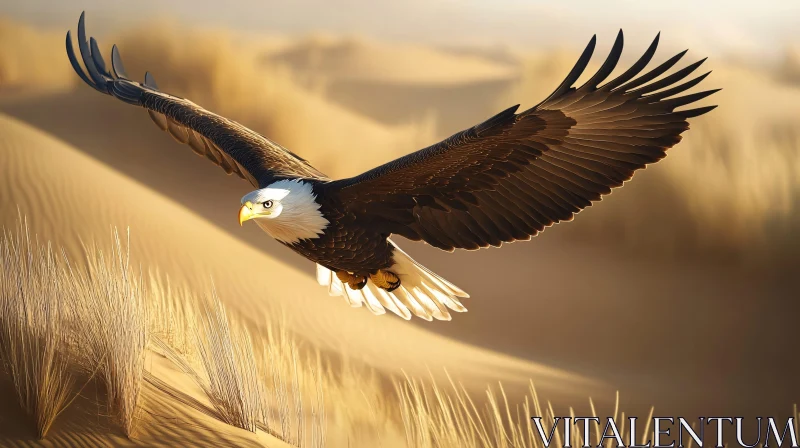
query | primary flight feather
[503, 180]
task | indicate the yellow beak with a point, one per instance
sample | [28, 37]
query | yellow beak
[246, 212]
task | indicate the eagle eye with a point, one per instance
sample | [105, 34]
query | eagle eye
[267, 204]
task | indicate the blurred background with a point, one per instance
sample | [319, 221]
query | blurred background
[680, 290]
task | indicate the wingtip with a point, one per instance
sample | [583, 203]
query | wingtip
[76, 66]
[709, 108]
[698, 63]
[656, 40]
[704, 75]
[692, 113]
[574, 74]
[589, 50]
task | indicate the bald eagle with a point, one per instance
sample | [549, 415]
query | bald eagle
[500, 181]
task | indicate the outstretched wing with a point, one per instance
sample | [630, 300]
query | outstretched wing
[228, 144]
[511, 176]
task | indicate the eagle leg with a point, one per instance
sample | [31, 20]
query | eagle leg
[386, 280]
[355, 281]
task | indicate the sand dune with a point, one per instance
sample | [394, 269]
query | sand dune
[397, 84]
[359, 59]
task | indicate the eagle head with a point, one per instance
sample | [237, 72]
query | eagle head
[287, 210]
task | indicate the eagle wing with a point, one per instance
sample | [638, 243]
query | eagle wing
[227, 143]
[511, 176]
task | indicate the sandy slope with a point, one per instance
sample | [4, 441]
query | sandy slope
[67, 196]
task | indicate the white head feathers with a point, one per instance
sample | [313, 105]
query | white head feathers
[293, 214]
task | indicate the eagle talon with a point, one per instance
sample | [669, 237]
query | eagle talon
[354, 281]
[386, 280]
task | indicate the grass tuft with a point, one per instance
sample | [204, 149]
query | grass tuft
[226, 352]
[293, 390]
[113, 332]
[34, 315]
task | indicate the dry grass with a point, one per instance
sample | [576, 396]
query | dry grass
[445, 417]
[254, 380]
[449, 417]
[264, 379]
[113, 332]
[226, 351]
[264, 382]
[364, 405]
[293, 390]
[173, 317]
[54, 318]
[57, 318]
[34, 316]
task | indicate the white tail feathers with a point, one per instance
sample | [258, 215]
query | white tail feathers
[421, 292]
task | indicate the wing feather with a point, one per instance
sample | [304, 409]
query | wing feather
[235, 148]
[515, 174]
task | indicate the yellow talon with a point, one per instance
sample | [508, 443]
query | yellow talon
[354, 281]
[386, 280]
